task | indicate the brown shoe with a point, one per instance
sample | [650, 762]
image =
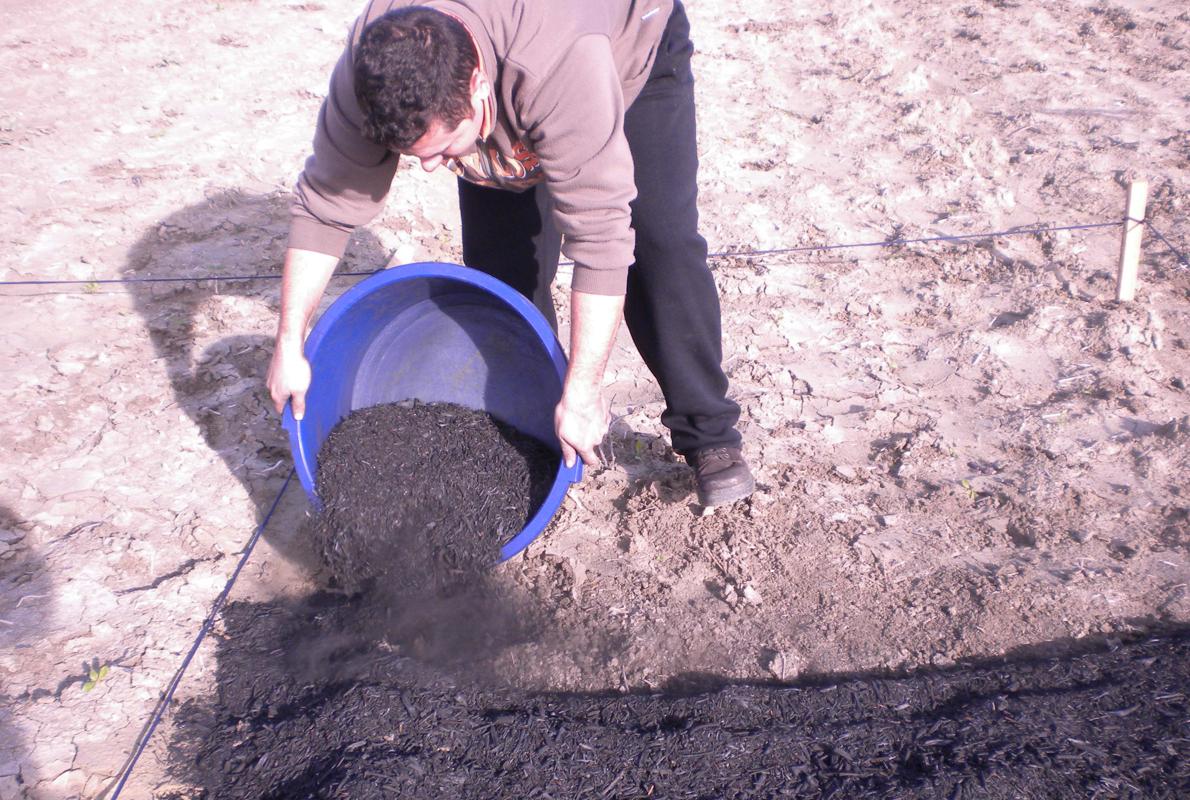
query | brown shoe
[721, 475]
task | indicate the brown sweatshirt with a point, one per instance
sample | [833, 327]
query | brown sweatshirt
[562, 72]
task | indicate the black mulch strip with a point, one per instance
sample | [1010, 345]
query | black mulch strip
[304, 710]
[422, 495]
[383, 693]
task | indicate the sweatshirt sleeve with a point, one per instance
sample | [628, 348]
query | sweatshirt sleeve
[574, 120]
[346, 178]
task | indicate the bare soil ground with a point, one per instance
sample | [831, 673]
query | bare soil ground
[965, 450]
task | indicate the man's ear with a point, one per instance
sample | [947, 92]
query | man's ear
[481, 87]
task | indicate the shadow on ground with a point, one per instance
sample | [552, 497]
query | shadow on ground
[208, 338]
[26, 595]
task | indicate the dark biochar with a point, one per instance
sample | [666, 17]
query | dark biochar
[305, 711]
[386, 691]
[421, 496]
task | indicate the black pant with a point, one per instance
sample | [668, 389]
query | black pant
[672, 304]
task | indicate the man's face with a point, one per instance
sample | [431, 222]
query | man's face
[440, 143]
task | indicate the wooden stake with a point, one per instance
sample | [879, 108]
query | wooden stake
[1138, 193]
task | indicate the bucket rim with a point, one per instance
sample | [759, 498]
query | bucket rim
[422, 270]
[437, 269]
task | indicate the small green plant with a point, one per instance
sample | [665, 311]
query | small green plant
[966, 484]
[96, 673]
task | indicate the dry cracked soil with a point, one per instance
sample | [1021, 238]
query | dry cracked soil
[966, 450]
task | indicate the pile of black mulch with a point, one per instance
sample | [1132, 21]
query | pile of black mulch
[382, 691]
[422, 496]
[304, 711]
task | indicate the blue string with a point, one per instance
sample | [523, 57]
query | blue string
[164, 702]
[922, 240]
[1177, 253]
[721, 254]
[183, 279]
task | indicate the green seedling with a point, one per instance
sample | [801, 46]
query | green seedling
[966, 484]
[96, 673]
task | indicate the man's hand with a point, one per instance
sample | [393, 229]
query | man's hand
[582, 416]
[289, 377]
[581, 420]
[302, 284]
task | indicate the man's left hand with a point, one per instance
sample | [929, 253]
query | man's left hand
[581, 420]
[582, 417]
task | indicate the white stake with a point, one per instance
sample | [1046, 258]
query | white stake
[1138, 193]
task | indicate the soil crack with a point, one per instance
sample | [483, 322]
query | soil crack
[185, 568]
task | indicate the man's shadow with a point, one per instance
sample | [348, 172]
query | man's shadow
[27, 597]
[221, 386]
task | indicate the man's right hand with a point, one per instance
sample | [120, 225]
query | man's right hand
[303, 282]
[289, 377]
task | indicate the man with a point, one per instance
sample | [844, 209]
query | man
[570, 124]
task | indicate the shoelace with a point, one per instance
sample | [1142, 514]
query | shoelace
[713, 455]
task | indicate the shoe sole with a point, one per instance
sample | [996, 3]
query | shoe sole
[726, 496]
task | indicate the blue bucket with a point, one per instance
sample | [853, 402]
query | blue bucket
[436, 333]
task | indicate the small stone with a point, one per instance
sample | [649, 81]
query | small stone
[846, 472]
[761, 498]
[942, 660]
[45, 423]
[1121, 550]
[8, 536]
[729, 595]
[888, 520]
[783, 664]
[751, 596]
[834, 434]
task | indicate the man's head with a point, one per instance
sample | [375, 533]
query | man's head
[419, 84]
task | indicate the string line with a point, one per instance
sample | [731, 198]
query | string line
[729, 253]
[208, 623]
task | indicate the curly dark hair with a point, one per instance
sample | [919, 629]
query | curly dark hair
[413, 66]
